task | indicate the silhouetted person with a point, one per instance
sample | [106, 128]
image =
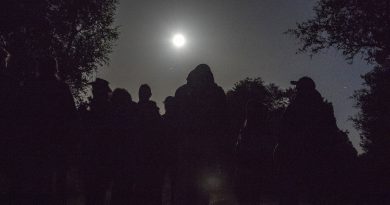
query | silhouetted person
[9, 91]
[202, 145]
[97, 145]
[170, 151]
[254, 152]
[3, 57]
[48, 116]
[7, 101]
[124, 116]
[149, 160]
[305, 151]
[148, 109]
[170, 131]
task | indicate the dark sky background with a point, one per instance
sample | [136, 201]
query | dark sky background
[238, 39]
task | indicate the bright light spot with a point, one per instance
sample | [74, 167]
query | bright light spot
[213, 183]
[178, 40]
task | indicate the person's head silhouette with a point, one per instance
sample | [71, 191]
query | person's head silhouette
[144, 93]
[304, 84]
[100, 90]
[201, 76]
[120, 96]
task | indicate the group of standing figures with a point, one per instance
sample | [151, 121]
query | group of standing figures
[133, 151]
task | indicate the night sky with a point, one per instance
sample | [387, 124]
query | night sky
[238, 39]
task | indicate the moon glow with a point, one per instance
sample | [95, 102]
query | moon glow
[178, 40]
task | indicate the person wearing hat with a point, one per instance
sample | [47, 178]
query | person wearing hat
[301, 124]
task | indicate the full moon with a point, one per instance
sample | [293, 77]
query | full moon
[178, 40]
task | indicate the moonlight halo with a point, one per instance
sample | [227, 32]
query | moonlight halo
[178, 40]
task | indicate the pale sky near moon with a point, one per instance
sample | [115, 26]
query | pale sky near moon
[238, 39]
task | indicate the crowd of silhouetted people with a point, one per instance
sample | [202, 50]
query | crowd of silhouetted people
[126, 152]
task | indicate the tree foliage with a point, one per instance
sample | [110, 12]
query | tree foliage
[79, 34]
[374, 117]
[360, 27]
[271, 96]
[373, 120]
[351, 26]
[356, 27]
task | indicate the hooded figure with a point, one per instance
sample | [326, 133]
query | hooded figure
[202, 148]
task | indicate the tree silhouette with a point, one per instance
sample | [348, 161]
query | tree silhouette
[351, 26]
[358, 27]
[374, 120]
[254, 135]
[340, 157]
[373, 101]
[79, 34]
[274, 99]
